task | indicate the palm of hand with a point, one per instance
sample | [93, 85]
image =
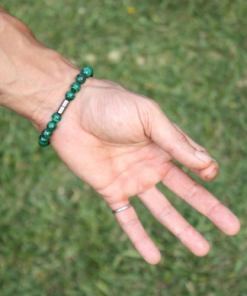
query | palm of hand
[108, 147]
[107, 139]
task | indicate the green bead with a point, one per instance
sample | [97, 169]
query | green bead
[75, 87]
[46, 134]
[88, 71]
[51, 126]
[43, 142]
[81, 78]
[56, 117]
[70, 95]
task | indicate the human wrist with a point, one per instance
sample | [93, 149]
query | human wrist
[37, 97]
[33, 78]
[49, 100]
[68, 94]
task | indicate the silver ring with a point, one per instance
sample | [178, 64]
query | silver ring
[122, 209]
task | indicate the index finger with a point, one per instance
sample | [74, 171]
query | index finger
[211, 172]
[163, 132]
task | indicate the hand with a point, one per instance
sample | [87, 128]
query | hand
[119, 142]
[122, 144]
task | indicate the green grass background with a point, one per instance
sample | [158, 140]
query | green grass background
[57, 236]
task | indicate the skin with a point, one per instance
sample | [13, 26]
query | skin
[119, 142]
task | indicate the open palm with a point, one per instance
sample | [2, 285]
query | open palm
[122, 144]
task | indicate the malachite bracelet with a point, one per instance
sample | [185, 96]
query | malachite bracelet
[69, 96]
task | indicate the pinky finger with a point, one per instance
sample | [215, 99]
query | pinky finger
[132, 226]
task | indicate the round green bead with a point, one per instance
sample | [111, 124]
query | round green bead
[46, 134]
[88, 71]
[43, 142]
[70, 95]
[81, 78]
[51, 126]
[75, 87]
[56, 117]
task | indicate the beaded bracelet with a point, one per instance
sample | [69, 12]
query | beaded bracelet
[69, 96]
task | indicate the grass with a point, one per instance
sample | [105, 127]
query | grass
[57, 237]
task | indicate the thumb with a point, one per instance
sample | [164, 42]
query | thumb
[172, 141]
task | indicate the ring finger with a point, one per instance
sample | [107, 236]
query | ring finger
[132, 226]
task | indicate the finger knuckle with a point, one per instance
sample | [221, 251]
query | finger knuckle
[214, 209]
[139, 241]
[192, 192]
[164, 212]
[178, 144]
[181, 139]
[169, 177]
[185, 230]
[130, 223]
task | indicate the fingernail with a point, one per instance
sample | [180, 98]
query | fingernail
[203, 156]
[212, 174]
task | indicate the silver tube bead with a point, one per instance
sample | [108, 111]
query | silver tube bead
[61, 110]
[65, 103]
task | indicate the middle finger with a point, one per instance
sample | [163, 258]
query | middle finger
[167, 215]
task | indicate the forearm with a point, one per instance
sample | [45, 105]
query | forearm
[33, 78]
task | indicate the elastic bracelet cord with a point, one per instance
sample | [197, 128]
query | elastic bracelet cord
[69, 96]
